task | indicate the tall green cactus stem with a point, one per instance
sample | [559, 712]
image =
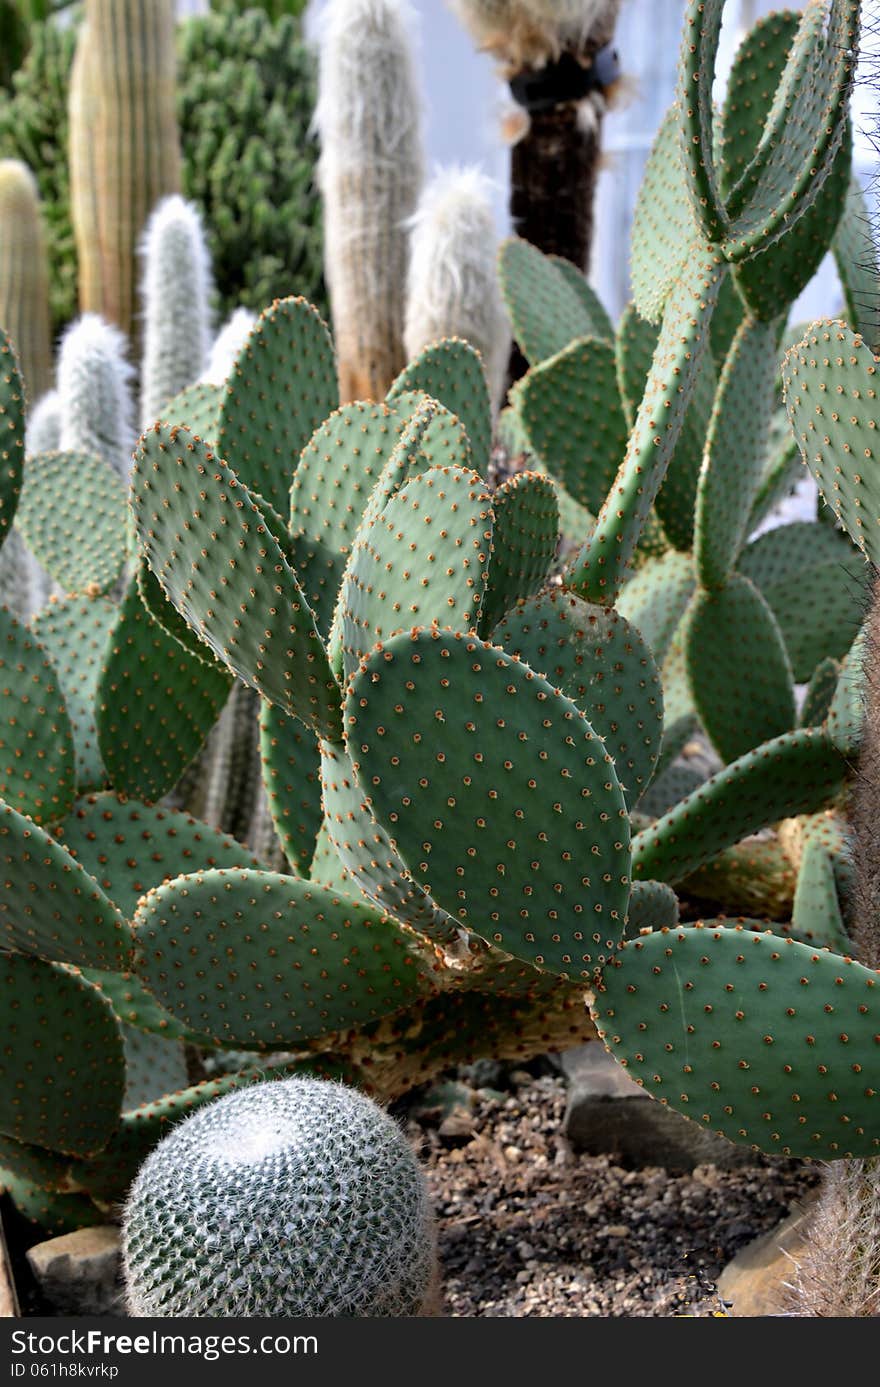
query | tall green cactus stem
[177, 309]
[95, 393]
[321, 1161]
[452, 288]
[598, 569]
[24, 276]
[370, 175]
[136, 146]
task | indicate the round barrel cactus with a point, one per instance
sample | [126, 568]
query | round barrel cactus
[290, 1198]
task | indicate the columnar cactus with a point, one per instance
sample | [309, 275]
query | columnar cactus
[125, 152]
[24, 275]
[452, 286]
[177, 304]
[319, 1161]
[369, 119]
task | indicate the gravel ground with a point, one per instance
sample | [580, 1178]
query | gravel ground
[528, 1228]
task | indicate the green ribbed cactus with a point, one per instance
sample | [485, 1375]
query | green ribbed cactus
[325, 1163]
[370, 174]
[124, 145]
[24, 276]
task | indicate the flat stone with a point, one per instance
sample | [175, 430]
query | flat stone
[608, 1114]
[753, 1284]
[80, 1273]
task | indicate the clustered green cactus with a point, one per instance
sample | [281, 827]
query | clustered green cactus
[470, 732]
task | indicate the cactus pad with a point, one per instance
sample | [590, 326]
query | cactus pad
[795, 774]
[365, 851]
[573, 420]
[524, 542]
[663, 226]
[656, 597]
[36, 738]
[129, 847]
[831, 392]
[337, 470]
[819, 693]
[156, 703]
[602, 664]
[197, 408]
[51, 906]
[791, 559]
[699, 50]
[62, 1066]
[74, 632]
[292, 779]
[451, 372]
[764, 1039]
[530, 851]
[652, 905]
[261, 960]
[547, 310]
[11, 434]
[238, 593]
[282, 386]
[733, 463]
[72, 515]
[738, 668]
[425, 559]
[858, 265]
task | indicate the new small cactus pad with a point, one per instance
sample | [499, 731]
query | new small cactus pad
[318, 1163]
[461, 749]
[769, 1041]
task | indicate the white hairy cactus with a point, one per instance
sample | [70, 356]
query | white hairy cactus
[453, 288]
[176, 294]
[95, 390]
[43, 427]
[292, 1198]
[370, 171]
[227, 344]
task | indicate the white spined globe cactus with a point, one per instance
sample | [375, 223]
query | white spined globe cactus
[291, 1198]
